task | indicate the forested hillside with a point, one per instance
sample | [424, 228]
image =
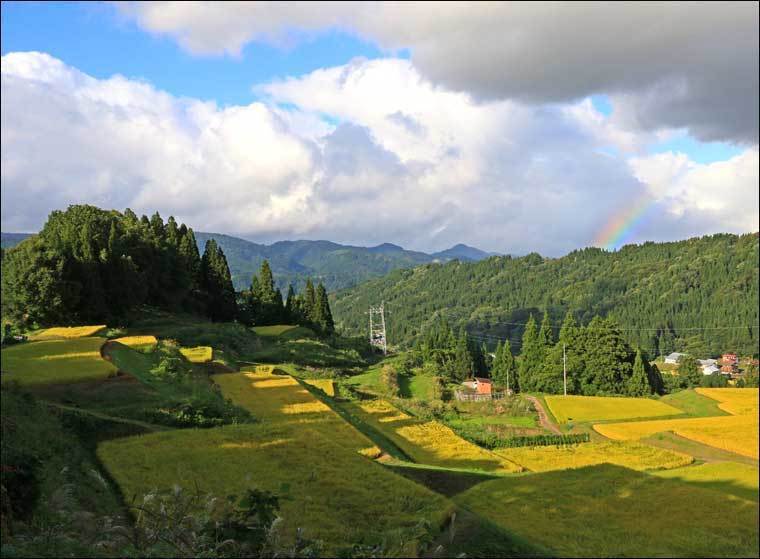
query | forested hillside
[699, 295]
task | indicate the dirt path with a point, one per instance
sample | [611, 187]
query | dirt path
[543, 418]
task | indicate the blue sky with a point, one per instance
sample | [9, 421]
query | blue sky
[440, 131]
[97, 40]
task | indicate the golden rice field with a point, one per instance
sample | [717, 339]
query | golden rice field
[601, 408]
[138, 342]
[55, 362]
[200, 354]
[736, 401]
[429, 442]
[730, 477]
[734, 433]
[301, 450]
[611, 511]
[630, 454]
[325, 385]
[66, 332]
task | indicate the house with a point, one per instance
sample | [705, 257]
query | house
[479, 385]
[674, 357]
[728, 369]
[707, 362]
[729, 359]
[710, 369]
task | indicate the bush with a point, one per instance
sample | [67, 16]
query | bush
[389, 379]
[199, 412]
[492, 441]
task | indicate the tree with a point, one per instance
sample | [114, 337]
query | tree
[291, 305]
[217, 283]
[531, 356]
[545, 336]
[503, 366]
[322, 315]
[688, 371]
[462, 364]
[715, 380]
[310, 300]
[638, 383]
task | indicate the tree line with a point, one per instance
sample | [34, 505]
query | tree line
[697, 296]
[94, 265]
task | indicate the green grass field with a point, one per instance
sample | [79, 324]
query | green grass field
[283, 331]
[610, 511]
[729, 477]
[693, 404]
[601, 408]
[55, 362]
[301, 450]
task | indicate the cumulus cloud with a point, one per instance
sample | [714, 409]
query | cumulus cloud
[410, 162]
[668, 65]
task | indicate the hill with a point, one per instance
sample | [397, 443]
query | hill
[337, 266]
[8, 240]
[699, 294]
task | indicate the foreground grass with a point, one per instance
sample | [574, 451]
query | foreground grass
[729, 477]
[55, 362]
[628, 454]
[610, 511]
[66, 332]
[291, 331]
[736, 401]
[600, 408]
[734, 433]
[428, 442]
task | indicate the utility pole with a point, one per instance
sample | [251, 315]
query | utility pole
[564, 367]
[377, 328]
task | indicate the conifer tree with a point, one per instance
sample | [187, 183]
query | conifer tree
[545, 336]
[291, 305]
[217, 282]
[638, 383]
[462, 365]
[322, 315]
[531, 356]
[309, 301]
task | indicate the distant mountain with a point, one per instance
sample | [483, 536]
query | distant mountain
[8, 240]
[462, 252]
[337, 266]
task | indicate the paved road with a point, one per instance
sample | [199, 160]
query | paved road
[543, 418]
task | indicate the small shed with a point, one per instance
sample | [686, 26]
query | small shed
[674, 357]
[483, 385]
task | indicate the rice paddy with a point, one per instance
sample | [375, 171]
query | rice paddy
[737, 479]
[610, 511]
[302, 450]
[630, 454]
[55, 362]
[733, 433]
[66, 332]
[325, 385]
[429, 442]
[139, 343]
[200, 354]
[601, 408]
[736, 401]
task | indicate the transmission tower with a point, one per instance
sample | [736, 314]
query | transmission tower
[377, 328]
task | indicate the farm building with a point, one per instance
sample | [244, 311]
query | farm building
[478, 389]
[674, 357]
[710, 369]
[729, 359]
[479, 385]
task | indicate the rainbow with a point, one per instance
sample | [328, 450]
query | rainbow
[621, 226]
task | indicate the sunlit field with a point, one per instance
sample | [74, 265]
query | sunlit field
[55, 362]
[611, 511]
[66, 332]
[738, 479]
[429, 442]
[734, 433]
[201, 354]
[325, 385]
[736, 401]
[600, 408]
[138, 342]
[629, 454]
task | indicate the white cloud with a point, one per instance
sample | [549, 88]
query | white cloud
[669, 65]
[410, 162]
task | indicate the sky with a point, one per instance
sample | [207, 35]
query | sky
[513, 127]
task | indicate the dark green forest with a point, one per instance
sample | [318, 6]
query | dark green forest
[699, 296]
[92, 265]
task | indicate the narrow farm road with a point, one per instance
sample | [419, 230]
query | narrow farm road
[543, 418]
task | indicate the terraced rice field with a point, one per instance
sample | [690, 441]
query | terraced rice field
[610, 511]
[734, 433]
[66, 332]
[629, 454]
[138, 342]
[736, 401]
[601, 408]
[200, 354]
[55, 362]
[737, 479]
[429, 442]
[301, 450]
[325, 385]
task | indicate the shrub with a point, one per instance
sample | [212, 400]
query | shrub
[389, 379]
